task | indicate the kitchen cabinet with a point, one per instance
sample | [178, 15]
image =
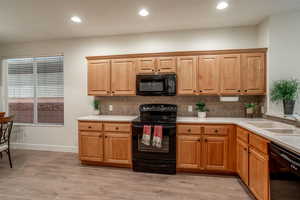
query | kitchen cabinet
[187, 75]
[99, 77]
[123, 77]
[242, 159]
[105, 142]
[189, 154]
[253, 73]
[117, 148]
[154, 65]
[258, 174]
[208, 74]
[205, 147]
[230, 74]
[91, 146]
[215, 152]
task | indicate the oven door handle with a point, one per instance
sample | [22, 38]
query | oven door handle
[290, 160]
[164, 127]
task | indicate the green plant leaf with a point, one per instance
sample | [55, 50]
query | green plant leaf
[285, 90]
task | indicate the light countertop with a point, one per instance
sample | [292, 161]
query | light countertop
[291, 142]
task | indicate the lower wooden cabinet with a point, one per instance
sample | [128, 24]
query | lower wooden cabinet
[188, 151]
[91, 146]
[242, 160]
[113, 146]
[215, 152]
[259, 174]
[117, 148]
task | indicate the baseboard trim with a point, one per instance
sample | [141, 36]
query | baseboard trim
[45, 147]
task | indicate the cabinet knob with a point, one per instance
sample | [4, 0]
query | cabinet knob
[200, 91]
[89, 127]
[199, 140]
[246, 90]
[239, 90]
[107, 92]
[100, 136]
[245, 149]
[117, 128]
[105, 136]
[216, 131]
[153, 70]
[205, 140]
[189, 130]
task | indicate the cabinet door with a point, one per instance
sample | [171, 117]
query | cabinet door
[253, 73]
[258, 174]
[117, 148]
[187, 75]
[208, 75]
[166, 64]
[146, 65]
[99, 77]
[242, 160]
[123, 77]
[91, 146]
[188, 151]
[215, 152]
[230, 74]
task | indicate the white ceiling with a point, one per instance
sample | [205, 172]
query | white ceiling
[31, 20]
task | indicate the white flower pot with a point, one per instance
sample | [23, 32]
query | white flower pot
[201, 114]
[249, 110]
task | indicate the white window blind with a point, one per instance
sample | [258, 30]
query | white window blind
[36, 90]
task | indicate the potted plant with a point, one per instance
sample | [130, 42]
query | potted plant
[286, 91]
[250, 107]
[201, 108]
[96, 104]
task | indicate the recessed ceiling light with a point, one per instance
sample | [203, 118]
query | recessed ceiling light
[76, 19]
[222, 5]
[144, 12]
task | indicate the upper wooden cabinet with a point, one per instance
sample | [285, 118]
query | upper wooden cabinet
[99, 77]
[253, 73]
[230, 74]
[123, 77]
[156, 65]
[208, 74]
[187, 75]
[111, 77]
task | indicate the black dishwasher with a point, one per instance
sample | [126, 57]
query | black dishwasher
[284, 170]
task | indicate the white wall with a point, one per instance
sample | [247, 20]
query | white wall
[77, 103]
[284, 48]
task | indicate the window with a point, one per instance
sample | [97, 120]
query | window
[36, 90]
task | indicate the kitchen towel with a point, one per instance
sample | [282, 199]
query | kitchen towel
[157, 137]
[146, 135]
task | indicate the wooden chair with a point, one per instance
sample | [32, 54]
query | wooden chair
[6, 124]
[2, 114]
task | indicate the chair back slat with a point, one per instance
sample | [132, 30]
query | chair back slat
[2, 114]
[6, 124]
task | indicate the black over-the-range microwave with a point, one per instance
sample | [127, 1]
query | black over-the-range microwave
[156, 85]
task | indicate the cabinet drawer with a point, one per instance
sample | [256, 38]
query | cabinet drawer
[216, 130]
[117, 127]
[90, 126]
[258, 143]
[189, 129]
[242, 134]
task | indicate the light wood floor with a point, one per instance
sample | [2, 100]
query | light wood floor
[41, 175]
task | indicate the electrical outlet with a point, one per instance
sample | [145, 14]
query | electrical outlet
[110, 108]
[190, 108]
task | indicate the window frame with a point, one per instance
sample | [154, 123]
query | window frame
[35, 106]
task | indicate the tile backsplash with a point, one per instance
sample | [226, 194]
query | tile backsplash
[130, 105]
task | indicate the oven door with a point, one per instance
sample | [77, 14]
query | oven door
[284, 174]
[168, 142]
[156, 85]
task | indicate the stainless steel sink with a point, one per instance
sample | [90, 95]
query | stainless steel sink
[268, 125]
[283, 131]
